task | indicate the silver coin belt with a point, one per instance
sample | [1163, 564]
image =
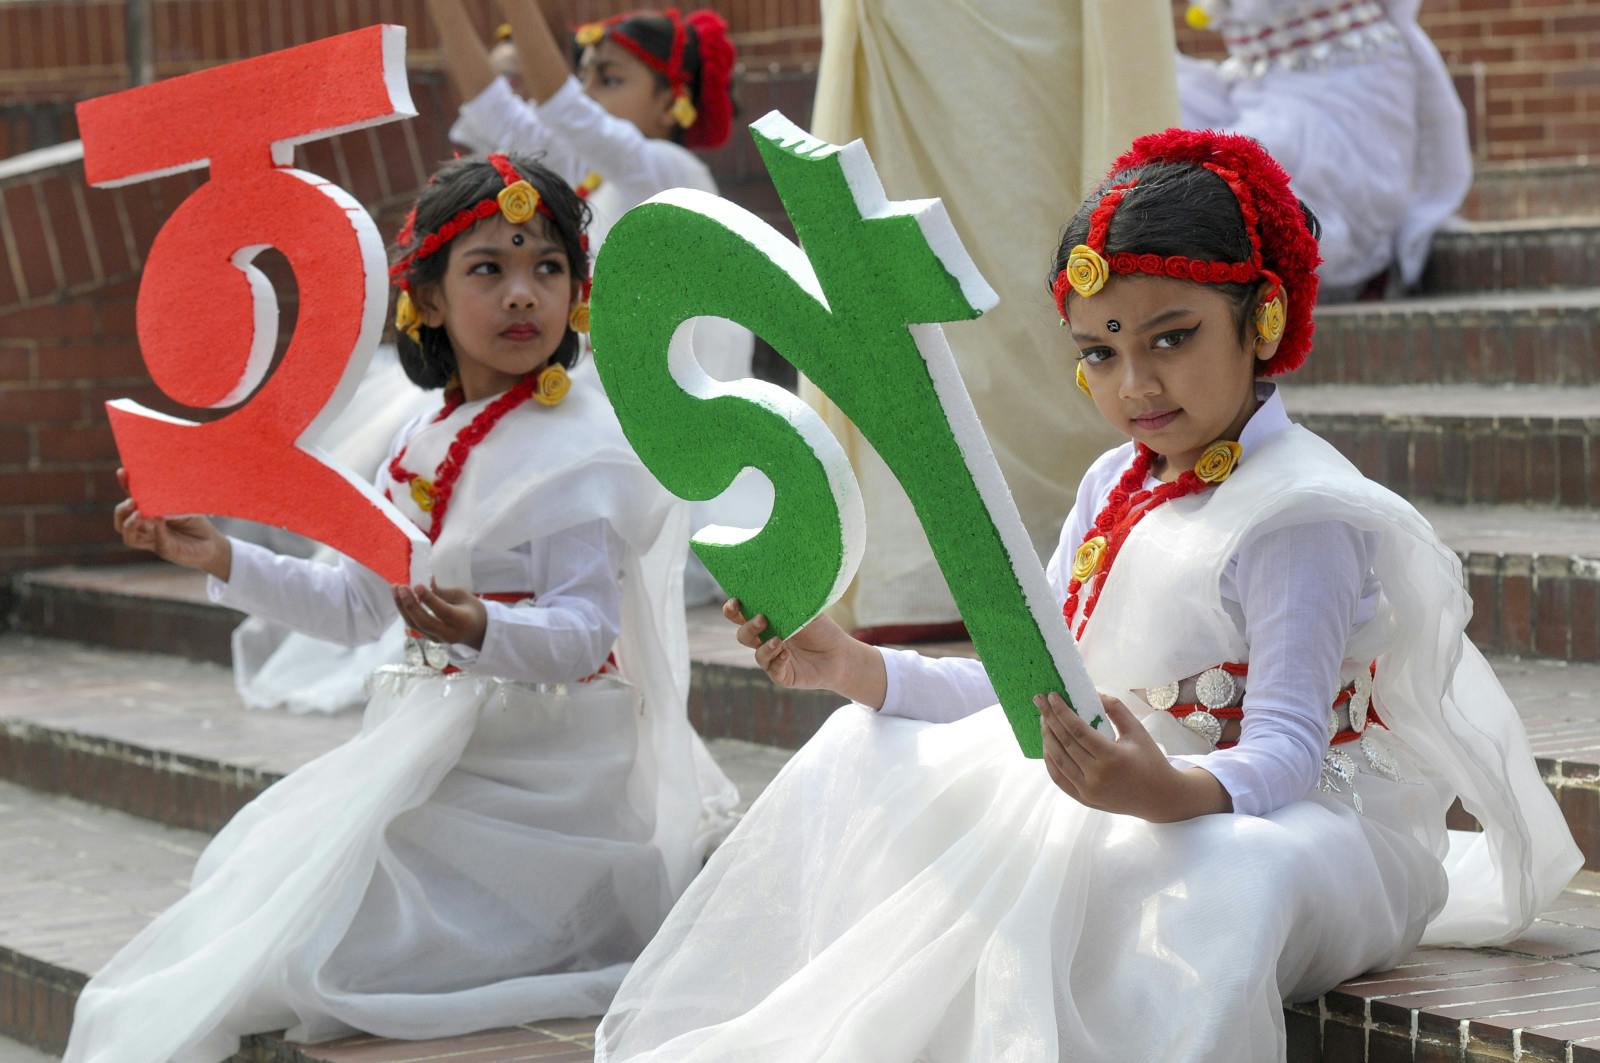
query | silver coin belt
[1321, 38]
[1203, 702]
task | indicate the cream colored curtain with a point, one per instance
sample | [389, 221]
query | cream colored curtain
[1008, 110]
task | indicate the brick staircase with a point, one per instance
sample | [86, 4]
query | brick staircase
[122, 744]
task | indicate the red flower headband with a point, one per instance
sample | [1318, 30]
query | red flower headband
[517, 202]
[1283, 250]
[708, 120]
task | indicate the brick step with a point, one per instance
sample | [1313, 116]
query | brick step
[1464, 444]
[1532, 189]
[1550, 338]
[1525, 254]
[17, 1052]
[1440, 1004]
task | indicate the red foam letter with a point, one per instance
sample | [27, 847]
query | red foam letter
[207, 318]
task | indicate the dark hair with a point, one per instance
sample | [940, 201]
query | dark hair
[459, 184]
[1177, 208]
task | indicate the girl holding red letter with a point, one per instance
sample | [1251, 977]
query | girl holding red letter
[526, 797]
[1295, 705]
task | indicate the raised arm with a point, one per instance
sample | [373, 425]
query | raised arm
[464, 54]
[544, 63]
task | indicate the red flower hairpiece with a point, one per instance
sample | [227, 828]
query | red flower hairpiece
[1283, 251]
[518, 201]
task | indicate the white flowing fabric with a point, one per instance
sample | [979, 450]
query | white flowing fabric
[1009, 111]
[910, 891]
[275, 667]
[484, 852]
[575, 136]
[1375, 143]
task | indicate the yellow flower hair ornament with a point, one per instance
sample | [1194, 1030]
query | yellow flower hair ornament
[518, 202]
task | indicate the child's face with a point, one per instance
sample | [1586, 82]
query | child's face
[503, 300]
[627, 88]
[1166, 364]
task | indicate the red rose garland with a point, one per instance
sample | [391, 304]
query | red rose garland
[443, 485]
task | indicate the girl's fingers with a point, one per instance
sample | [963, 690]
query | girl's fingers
[1090, 740]
[768, 650]
[406, 601]
[1055, 717]
[1128, 727]
[122, 478]
[1063, 782]
[448, 613]
[733, 611]
[749, 633]
[1055, 755]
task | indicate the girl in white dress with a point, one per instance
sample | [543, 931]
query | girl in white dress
[653, 90]
[522, 804]
[1280, 643]
[1355, 101]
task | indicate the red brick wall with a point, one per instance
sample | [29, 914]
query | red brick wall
[1527, 70]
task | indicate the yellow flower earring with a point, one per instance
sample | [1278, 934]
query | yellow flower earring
[1270, 319]
[406, 319]
[552, 385]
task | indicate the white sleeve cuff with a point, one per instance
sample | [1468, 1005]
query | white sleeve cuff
[244, 574]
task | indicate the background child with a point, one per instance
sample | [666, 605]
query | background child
[1323, 84]
[521, 807]
[1294, 699]
[652, 89]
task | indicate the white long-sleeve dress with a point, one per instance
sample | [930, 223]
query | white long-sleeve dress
[1354, 100]
[912, 888]
[499, 842]
[575, 136]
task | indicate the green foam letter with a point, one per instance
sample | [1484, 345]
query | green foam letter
[857, 312]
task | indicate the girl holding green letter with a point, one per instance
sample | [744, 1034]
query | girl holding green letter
[1280, 643]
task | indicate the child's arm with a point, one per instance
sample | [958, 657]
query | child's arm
[565, 634]
[341, 603]
[821, 656]
[544, 64]
[464, 54]
[1299, 589]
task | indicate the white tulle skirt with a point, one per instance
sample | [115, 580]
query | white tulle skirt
[479, 855]
[909, 891]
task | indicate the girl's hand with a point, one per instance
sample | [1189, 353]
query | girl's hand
[820, 656]
[192, 542]
[1127, 774]
[448, 614]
